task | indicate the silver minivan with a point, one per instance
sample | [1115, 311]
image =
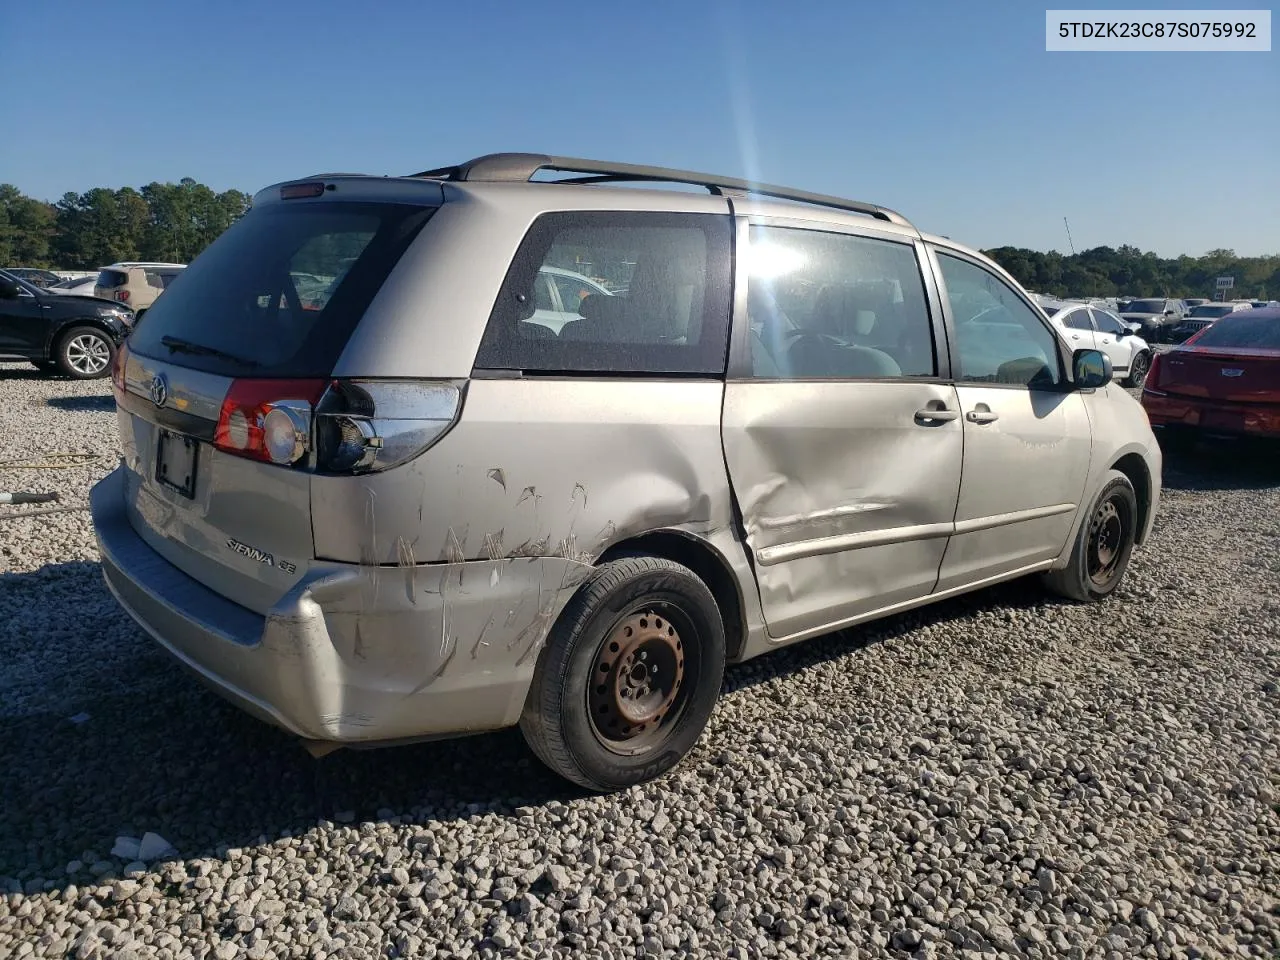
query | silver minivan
[403, 506]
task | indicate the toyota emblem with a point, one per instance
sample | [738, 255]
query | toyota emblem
[159, 390]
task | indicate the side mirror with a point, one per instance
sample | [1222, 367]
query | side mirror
[1169, 312]
[8, 289]
[1090, 369]
[1123, 332]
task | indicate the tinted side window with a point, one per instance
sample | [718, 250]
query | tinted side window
[673, 317]
[831, 306]
[1078, 320]
[1106, 322]
[999, 339]
[572, 291]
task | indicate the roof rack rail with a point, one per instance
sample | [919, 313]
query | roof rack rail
[522, 167]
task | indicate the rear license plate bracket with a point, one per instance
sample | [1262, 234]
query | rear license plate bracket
[176, 463]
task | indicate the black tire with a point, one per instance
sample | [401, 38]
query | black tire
[85, 353]
[677, 624]
[1139, 367]
[1103, 546]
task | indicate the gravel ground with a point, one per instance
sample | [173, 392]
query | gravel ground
[1000, 775]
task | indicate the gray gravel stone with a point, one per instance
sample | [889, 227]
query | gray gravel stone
[1003, 774]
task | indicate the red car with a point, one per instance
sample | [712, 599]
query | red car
[1224, 380]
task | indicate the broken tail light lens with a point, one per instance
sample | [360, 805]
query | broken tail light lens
[268, 420]
[364, 426]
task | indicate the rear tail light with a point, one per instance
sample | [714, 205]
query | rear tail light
[122, 296]
[268, 420]
[363, 426]
[117, 369]
[351, 426]
[1152, 383]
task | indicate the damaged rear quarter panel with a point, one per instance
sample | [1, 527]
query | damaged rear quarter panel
[539, 468]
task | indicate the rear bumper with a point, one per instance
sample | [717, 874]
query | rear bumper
[352, 654]
[1212, 416]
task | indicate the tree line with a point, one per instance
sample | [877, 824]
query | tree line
[1128, 271]
[175, 221]
[167, 222]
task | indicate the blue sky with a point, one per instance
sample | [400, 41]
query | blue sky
[952, 113]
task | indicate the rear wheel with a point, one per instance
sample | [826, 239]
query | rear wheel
[1103, 546]
[629, 677]
[1139, 367]
[85, 353]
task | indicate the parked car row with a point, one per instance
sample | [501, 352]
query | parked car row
[79, 335]
[763, 428]
[1092, 328]
[73, 334]
[1225, 379]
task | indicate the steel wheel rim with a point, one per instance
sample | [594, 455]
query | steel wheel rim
[88, 354]
[641, 675]
[1106, 542]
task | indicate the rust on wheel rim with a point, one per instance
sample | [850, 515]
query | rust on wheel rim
[636, 678]
[1106, 541]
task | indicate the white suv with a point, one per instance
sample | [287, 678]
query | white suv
[1092, 328]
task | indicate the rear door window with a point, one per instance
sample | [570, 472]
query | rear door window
[662, 306]
[835, 306]
[279, 293]
[1078, 320]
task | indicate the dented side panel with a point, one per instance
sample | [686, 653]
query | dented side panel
[847, 498]
[539, 468]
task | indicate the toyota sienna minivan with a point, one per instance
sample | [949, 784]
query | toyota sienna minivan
[402, 506]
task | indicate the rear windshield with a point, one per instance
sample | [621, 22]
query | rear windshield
[1237, 330]
[279, 293]
[112, 278]
[1208, 311]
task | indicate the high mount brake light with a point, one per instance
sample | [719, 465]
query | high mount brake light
[268, 420]
[296, 191]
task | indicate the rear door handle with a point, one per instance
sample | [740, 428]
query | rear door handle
[982, 416]
[940, 413]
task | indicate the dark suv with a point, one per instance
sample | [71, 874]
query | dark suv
[1158, 317]
[76, 335]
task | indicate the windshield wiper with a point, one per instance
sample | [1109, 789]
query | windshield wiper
[178, 345]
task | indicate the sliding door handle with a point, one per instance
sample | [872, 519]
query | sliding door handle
[928, 415]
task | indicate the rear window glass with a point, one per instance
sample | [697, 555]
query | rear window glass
[112, 278]
[1210, 311]
[1236, 330]
[279, 293]
[649, 294]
